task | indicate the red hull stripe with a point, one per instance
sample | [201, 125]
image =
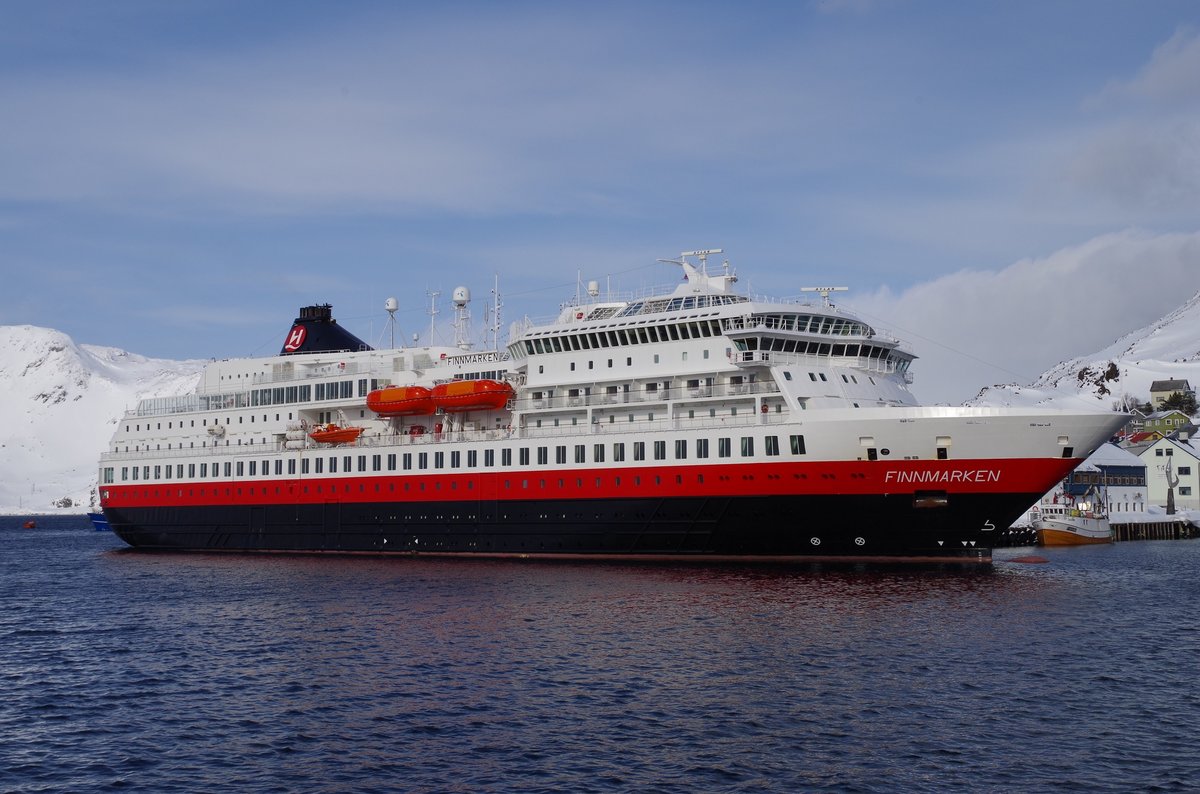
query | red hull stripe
[901, 478]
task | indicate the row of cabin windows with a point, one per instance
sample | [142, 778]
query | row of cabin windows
[491, 374]
[677, 304]
[204, 423]
[800, 347]
[284, 395]
[623, 337]
[802, 323]
[629, 360]
[700, 448]
[1099, 478]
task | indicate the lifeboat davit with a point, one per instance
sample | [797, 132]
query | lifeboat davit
[471, 395]
[335, 434]
[401, 401]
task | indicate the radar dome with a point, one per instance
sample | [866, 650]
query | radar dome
[391, 305]
[461, 296]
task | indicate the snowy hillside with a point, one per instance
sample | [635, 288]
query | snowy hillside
[61, 402]
[1168, 348]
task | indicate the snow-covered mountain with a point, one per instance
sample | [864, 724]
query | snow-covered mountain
[1168, 348]
[60, 403]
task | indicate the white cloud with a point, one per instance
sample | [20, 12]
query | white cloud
[976, 328]
[1142, 153]
[1139, 164]
[1171, 76]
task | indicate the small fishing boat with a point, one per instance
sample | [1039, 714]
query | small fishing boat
[334, 434]
[1072, 524]
[99, 522]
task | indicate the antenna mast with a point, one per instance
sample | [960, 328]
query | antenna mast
[433, 311]
[496, 306]
[824, 292]
[391, 305]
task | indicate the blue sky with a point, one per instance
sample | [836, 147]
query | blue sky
[176, 179]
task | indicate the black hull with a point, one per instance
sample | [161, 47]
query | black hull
[738, 528]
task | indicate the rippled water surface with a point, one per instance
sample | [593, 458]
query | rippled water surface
[151, 672]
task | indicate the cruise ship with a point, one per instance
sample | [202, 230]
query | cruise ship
[689, 423]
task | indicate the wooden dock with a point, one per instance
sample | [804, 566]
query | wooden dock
[1170, 528]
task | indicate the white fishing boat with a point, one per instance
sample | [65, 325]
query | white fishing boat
[1070, 523]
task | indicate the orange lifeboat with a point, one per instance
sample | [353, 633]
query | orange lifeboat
[334, 434]
[401, 401]
[471, 395]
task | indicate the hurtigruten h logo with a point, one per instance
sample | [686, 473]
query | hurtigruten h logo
[295, 338]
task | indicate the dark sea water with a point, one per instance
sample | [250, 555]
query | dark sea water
[143, 672]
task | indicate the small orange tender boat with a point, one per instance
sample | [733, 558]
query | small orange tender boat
[335, 434]
[401, 401]
[471, 395]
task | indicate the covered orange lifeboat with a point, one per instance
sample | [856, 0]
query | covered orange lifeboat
[401, 401]
[471, 395]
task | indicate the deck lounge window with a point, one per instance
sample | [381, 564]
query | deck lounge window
[747, 446]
